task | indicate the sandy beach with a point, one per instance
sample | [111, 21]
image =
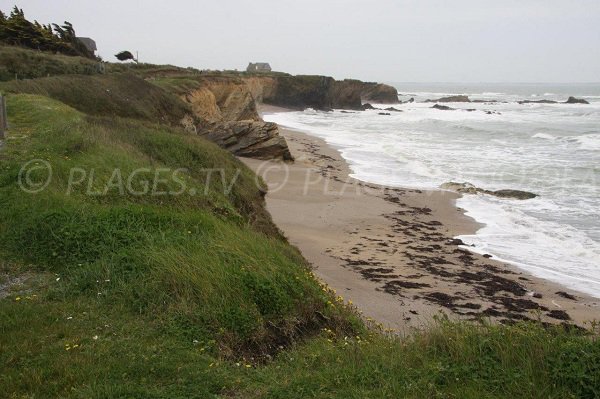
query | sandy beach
[391, 252]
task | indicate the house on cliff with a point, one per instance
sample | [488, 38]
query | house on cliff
[90, 44]
[258, 67]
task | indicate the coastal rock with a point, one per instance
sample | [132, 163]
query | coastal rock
[253, 139]
[392, 109]
[345, 94]
[443, 107]
[225, 112]
[570, 100]
[215, 99]
[367, 106]
[538, 102]
[468, 188]
[573, 100]
[487, 101]
[384, 113]
[379, 93]
[318, 92]
[516, 194]
[451, 99]
[203, 104]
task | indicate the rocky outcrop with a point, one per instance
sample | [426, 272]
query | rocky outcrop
[216, 99]
[538, 102]
[318, 92]
[443, 107]
[573, 100]
[204, 104]
[468, 188]
[225, 105]
[253, 139]
[379, 93]
[225, 112]
[346, 94]
[570, 100]
[451, 99]
[261, 87]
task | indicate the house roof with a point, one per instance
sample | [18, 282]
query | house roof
[89, 43]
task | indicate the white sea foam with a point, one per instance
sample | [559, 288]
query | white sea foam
[544, 136]
[549, 149]
[589, 141]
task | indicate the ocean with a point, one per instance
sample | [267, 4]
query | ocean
[552, 150]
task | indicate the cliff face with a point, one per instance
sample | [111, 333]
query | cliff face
[379, 93]
[225, 105]
[261, 87]
[318, 92]
[217, 99]
[225, 112]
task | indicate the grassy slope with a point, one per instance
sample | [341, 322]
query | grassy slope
[29, 64]
[187, 296]
[25, 63]
[120, 94]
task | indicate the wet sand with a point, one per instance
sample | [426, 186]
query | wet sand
[391, 252]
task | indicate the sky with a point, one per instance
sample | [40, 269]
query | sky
[383, 40]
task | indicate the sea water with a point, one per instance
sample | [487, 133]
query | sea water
[552, 150]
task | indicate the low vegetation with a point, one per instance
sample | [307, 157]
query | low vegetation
[110, 287]
[120, 94]
[19, 63]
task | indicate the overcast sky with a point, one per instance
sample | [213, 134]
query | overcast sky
[384, 40]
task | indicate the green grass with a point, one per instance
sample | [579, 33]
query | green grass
[118, 94]
[125, 295]
[21, 63]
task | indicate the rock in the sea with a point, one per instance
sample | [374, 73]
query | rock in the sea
[570, 100]
[516, 194]
[367, 106]
[253, 139]
[451, 99]
[573, 100]
[392, 109]
[468, 188]
[443, 107]
[384, 113]
[538, 102]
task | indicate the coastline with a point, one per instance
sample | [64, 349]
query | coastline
[391, 252]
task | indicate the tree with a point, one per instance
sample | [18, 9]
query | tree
[125, 55]
[16, 30]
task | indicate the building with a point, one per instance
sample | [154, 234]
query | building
[89, 43]
[258, 67]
